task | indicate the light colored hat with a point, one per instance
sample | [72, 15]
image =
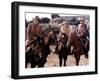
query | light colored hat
[82, 25]
[81, 18]
[65, 22]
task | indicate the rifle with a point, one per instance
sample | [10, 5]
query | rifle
[32, 41]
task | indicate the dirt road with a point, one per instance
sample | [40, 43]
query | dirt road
[53, 61]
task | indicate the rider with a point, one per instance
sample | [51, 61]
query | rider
[65, 29]
[82, 31]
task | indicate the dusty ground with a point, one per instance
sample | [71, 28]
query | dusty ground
[53, 60]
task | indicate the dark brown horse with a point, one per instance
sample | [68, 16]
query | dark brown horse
[33, 54]
[62, 49]
[38, 51]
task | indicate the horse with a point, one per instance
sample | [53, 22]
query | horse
[38, 51]
[33, 54]
[62, 50]
[78, 49]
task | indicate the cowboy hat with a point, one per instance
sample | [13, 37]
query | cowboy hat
[81, 18]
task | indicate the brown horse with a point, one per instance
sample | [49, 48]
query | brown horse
[78, 48]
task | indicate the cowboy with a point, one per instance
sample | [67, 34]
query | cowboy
[34, 29]
[82, 31]
[66, 28]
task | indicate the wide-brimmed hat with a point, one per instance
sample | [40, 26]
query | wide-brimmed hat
[65, 22]
[82, 25]
[81, 18]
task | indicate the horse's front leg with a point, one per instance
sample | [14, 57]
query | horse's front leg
[60, 63]
[60, 60]
[65, 58]
[64, 62]
[86, 55]
[77, 57]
